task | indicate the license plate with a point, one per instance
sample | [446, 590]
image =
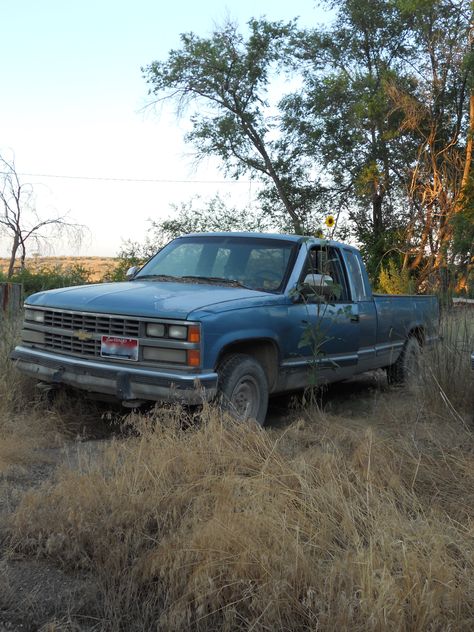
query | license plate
[121, 348]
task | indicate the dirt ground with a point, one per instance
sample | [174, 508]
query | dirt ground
[35, 595]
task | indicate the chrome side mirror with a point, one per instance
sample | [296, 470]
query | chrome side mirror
[131, 272]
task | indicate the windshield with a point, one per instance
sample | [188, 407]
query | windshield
[259, 264]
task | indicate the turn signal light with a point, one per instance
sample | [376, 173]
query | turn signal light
[194, 333]
[194, 357]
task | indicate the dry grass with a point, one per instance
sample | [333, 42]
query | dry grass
[27, 420]
[20, 431]
[225, 527]
[96, 266]
[447, 384]
[327, 524]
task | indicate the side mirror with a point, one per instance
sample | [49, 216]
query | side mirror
[317, 287]
[131, 272]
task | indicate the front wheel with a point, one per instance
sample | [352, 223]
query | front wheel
[243, 387]
[406, 370]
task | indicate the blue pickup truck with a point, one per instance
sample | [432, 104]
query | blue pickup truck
[238, 316]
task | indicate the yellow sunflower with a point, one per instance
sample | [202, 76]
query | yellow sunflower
[330, 221]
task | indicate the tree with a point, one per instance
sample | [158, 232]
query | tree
[343, 119]
[226, 78]
[381, 124]
[20, 220]
[438, 113]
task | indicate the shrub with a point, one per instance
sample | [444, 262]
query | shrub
[49, 278]
[395, 280]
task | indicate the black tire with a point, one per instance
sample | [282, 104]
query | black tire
[243, 387]
[406, 370]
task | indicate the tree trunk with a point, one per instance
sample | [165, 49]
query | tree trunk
[11, 266]
[467, 165]
[377, 219]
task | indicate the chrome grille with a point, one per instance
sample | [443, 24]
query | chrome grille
[107, 325]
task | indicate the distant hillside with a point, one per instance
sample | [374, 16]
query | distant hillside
[97, 266]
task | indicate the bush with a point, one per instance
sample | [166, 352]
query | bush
[395, 280]
[49, 278]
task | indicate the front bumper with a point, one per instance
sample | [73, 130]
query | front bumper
[126, 383]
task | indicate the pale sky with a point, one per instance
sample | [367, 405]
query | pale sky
[72, 104]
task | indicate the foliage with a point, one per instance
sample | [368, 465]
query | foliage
[463, 241]
[48, 278]
[375, 123]
[131, 254]
[199, 215]
[436, 116]
[395, 280]
[342, 118]
[225, 81]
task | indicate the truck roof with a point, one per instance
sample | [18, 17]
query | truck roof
[281, 236]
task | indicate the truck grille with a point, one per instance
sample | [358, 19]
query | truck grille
[67, 344]
[106, 325]
[71, 322]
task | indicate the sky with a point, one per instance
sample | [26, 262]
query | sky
[73, 111]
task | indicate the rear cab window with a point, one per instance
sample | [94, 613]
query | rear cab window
[358, 280]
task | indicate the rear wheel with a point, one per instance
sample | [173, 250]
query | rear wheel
[406, 370]
[243, 387]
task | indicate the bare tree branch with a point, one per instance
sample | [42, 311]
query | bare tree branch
[20, 219]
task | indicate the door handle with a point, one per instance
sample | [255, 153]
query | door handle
[355, 318]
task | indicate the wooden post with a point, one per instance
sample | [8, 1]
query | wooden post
[11, 295]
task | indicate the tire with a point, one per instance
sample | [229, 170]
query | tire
[243, 387]
[406, 370]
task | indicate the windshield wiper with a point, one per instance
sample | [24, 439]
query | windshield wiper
[188, 278]
[157, 277]
[216, 280]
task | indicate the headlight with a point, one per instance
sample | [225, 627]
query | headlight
[35, 315]
[178, 331]
[155, 330]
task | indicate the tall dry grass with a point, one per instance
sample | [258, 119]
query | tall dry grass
[28, 420]
[328, 525]
[18, 402]
[447, 383]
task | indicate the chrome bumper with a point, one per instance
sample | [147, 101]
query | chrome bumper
[126, 383]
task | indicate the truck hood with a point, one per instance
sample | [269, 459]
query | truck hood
[149, 299]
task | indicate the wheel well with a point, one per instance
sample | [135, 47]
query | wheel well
[264, 351]
[418, 333]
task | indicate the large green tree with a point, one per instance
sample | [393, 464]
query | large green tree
[342, 116]
[377, 123]
[223, 81]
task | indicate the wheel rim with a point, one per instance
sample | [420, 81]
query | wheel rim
[245, 398]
